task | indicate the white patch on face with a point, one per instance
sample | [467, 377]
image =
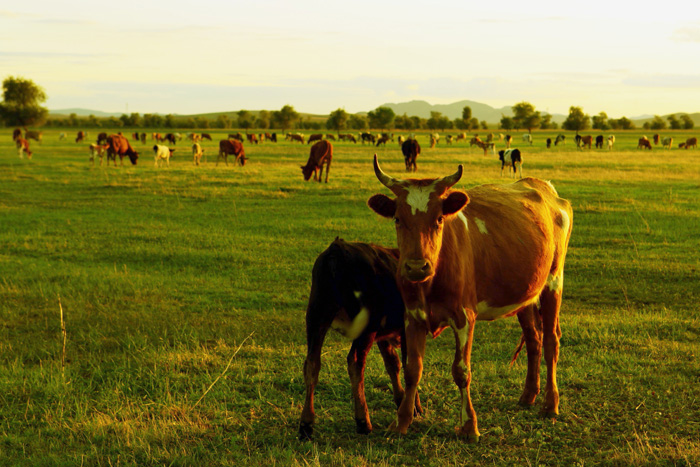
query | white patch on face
[556, 283]
[418, 197]
[486, 312]
[463, 218]
[481, 225]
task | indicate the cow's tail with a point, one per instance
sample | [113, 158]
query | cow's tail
[517, 351]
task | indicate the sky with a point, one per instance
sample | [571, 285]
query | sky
[187, 57]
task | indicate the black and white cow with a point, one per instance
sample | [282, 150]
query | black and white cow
[511, 157]
[354, 291]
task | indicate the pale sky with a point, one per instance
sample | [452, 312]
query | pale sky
[185, 57]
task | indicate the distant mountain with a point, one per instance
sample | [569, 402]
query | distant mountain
[452, 111]
[83, 113]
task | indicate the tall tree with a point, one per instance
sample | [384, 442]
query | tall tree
[20, 105]
[357, 122]
[657, 123]
[600, 121]
[673, 122]
[381, 118]
[263, 120]
[525, 116]
[338, 120]
[466, 117]
[688, 122]
[285, 117]
[246, 119]
[577, 120]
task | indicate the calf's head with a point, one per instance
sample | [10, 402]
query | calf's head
[419, 211]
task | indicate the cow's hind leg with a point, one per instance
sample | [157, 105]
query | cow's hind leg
[328, 170]
[550, 301]
[393, 369]
[357, 360]
[531, 323]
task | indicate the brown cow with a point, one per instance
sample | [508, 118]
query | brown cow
[252, 138]
[206, 136]
[295, 137]
[197, 153]
[644, 143]
[411, 150]
[490, 252]
[23, 148]
[314, 137]
[235, 147]
[118, 145]
[237, 137]
[102, 139]
[321, 153]
[353, 291]
[583, 141]
[35, 135]
[16, 133]
[690, 142]
[97, 150]
[80, 137]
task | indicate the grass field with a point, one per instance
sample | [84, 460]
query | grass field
[182, 293]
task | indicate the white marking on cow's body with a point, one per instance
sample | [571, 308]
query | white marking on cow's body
[565, 221]
[461, 335]
[463, 219]
[555, 283]
[418, 197]
[418, 314]
[352, 330]
[481, 225]
[486, 312]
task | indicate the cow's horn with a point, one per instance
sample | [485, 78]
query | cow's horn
[388, 181]
[450, 180]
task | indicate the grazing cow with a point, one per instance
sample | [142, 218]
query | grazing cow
[691, 142]
[16, 134]
[118, 145]
[367, 138]
[273, 137]
[194, 137]
[348, 137]
[513, 158]
[489, 137]
[667, 142]
[143, 138]
[206, 136]
[401, 139]
[461, 136]
[509, 140]
[560, 139]
[411, 150]
[434, 139]
[102, 139]
[583, 141]
[644, 143]
[549, 143]
[475, 141]
[252, 138]
[599, 141]
[657, 137]
[23, 148]
[237, 137]
[235, 147]
[486, 146]
[62, 136]
[353, 290]
[171, 138]
[162, 153]
[135, 137]
[489, 252]
[449, 139]
[197, 153]
[330, 137]
[295, 137]
[97, 150]
[80, 137]
[35, 135]
[321, 153]
[314, 137]
[611, 141]
[527, 138]
[383, 139]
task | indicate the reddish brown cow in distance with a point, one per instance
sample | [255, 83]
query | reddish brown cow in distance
[16, 133]
[411, 150]
[321, 153]
[80, 137]
[230, 146]
[486, 253]
[118, 145]
[644, 143]
[23, 148]
[690, 142]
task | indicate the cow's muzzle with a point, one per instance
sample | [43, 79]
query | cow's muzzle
[417, 270]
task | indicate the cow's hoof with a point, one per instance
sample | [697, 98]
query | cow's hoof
[362, 426]
[306, 431]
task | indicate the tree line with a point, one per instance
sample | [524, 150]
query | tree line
[21, 106]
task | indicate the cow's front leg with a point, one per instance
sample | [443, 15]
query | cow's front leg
[416, 334]
[462, 374]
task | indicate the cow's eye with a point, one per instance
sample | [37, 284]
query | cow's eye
[440, 220]
[396, 221]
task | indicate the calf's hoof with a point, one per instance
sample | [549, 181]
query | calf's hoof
[362, 426]
[306, 431]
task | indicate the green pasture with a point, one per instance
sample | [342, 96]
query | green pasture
[156, 316]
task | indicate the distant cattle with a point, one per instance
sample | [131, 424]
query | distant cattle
[583, 141]
[135, 136]
[23, 148]
[314, 137]
[35, 135]
[353, 290]
[197, 153]
[171, 138]
[252, 138]
[62, 136]
[560, 139]
[527, 138]
[321, 153]
[236, 136]
[449, 139]
[475, 141]
[657, 138]
[102, 139]
[549, 143]
[434, 139]
[206, 136]
[295, 137]
[143, 138]
[348, 137]
[599, 141]
[461, 136]
[611, 141]
[689, 143]
[486, 146]
[272, 137]
[368, 138]
[228, 147]
[383, 139]
[644, 143]
[512, 158]
[411, 150]
[667, 142]
[118, 145]
[330, 137]
[16, 133]
[162, 154]
[509, 140]
[80, 137]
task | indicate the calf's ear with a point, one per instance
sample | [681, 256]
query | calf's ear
[382, 205]
[454, 203]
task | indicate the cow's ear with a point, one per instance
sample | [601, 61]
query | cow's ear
[382, 205]
[454, 203]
